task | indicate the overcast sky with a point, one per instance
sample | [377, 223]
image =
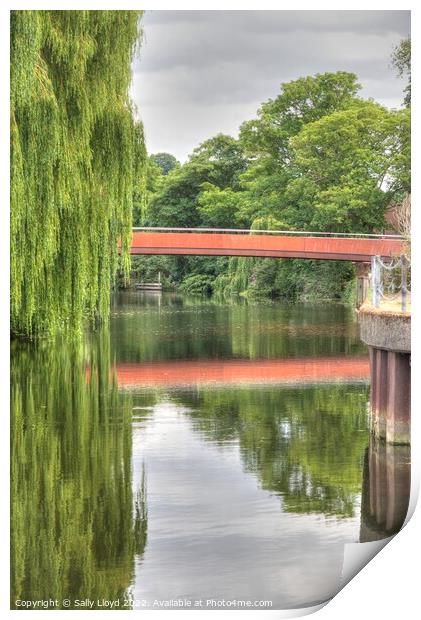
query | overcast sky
[205, 72]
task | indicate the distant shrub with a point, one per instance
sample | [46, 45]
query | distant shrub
[197, 285]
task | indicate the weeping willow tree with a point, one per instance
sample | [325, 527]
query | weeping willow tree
[77, 156]
[242, 270]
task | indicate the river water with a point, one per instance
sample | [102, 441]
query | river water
[195, 452]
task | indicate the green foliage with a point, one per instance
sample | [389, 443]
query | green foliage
[248, 275]
[401, 60]
[77, 156]
[218, 161]
[148, 185]
[301, 101]
[148, 268]
[165, 161]
[349, 294]
[174, 205]
[197, 284]
[220, 208]
[350, 157]
[188, 197]
[314, 281]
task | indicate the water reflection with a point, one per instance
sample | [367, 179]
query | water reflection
[218, 528]
[254, 491]
[239, 371]
[304, 444]
[183, 328]
[237, 464]
[77, 523]
[386, 490]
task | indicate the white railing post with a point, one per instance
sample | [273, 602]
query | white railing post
[375, 281]
[404, 276]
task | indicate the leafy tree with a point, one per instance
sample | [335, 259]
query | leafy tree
[222, 208]
[350, 157]
[218, 161]
[273, 188]
[175, 202]
[401, 60]
[267, 141]
[225, 159]
[76, 157]
[215, 165]
[147, 268]
[165, 161]
[197, 284]
[300, 102]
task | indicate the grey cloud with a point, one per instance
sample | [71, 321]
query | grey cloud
[203, 44]
[278, 21]
[210, 62]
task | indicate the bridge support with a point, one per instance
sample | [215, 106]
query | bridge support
[362, 282]
[388, 338]
[390, 395]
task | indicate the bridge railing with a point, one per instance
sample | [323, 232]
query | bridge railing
[248, 231]
[391, 282]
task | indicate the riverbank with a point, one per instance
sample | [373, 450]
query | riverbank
[292, 280]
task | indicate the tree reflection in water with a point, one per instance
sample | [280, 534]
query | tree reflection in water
[311, 446]
[304, 443]
[76, 526]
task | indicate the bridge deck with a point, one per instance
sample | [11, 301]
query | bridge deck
[357, 249]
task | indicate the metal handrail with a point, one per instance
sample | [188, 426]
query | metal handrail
[389, 292]
[248, 231]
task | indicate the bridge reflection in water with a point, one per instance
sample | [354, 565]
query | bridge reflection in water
[220, 372]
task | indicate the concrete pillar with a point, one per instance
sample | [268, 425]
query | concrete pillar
[378, 393]
[373, 389]
[390, 395]
[398, 429]
[381, 382]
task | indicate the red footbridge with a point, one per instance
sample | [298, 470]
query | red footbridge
[265, 243]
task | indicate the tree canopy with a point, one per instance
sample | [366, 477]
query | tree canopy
[401, 60]
[217, 163]
[165, 161]
[77, 155]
